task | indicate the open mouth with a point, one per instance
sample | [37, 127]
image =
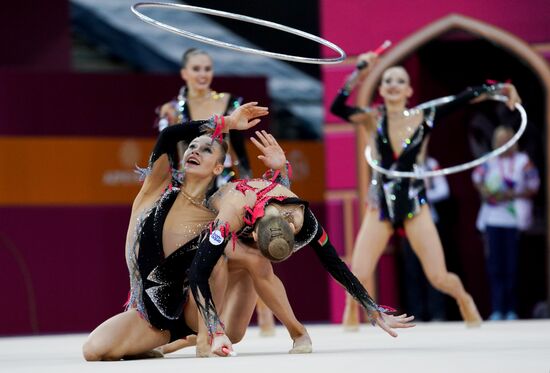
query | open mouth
[193, 161]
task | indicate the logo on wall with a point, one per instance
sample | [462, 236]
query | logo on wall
[129, 155]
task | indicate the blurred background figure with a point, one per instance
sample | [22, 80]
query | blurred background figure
[505, 184]
[196, 101]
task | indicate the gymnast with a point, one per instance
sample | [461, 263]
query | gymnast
[400, 136]
[267, 215]
[168, 219]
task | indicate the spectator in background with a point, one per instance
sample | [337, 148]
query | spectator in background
[506, 184]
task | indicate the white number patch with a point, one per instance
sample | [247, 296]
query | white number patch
[216, 238]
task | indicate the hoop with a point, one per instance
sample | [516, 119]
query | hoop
[287, 57]
[458, 168]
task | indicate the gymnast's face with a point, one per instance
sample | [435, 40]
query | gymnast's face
[395, 86]
[203, 158]
[198, 72]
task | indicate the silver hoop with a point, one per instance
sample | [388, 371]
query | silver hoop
[458, 168]
[287, 57]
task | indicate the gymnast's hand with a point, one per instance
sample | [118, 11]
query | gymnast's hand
[509, 90]
[243, 117]
[390, 322]
[273, 155]
[221, 345]
[365, 63]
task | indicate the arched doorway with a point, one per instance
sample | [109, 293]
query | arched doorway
[444, 58]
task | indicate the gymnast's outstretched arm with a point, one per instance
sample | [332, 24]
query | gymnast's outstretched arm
[330, 260]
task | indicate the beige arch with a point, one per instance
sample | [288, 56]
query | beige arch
[406, 47]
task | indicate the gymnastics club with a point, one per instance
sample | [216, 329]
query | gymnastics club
[229, 352]
[362, 64]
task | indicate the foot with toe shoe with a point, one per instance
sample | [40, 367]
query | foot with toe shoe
[469, 312]
[302, 345]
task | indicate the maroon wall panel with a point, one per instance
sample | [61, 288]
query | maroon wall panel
[64, 270]
[96, 104]
[73, 259]
[34, 35]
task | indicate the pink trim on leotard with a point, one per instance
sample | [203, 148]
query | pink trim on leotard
[262, 199]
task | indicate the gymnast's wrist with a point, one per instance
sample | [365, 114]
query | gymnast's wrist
[225, 122]
[214, 334]
[493, 88]
[345, 90]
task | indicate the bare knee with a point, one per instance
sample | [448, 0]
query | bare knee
[93, 352]
[235, 336]
[438, 280]
[260, 267]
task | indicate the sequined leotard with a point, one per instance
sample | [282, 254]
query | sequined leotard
[163, 289]
[159, 284]
[401, 198]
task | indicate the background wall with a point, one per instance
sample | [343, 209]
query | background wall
[69, 141]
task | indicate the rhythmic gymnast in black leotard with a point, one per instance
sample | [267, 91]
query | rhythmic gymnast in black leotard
[400, 135]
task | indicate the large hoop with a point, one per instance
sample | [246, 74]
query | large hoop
[287, 57]
[458, 168]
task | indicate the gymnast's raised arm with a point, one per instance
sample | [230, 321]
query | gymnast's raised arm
[339, 106]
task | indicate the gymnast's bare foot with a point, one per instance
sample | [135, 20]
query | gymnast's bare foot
[153, 354]
[302, 345]
[190, 340]
[469, 312]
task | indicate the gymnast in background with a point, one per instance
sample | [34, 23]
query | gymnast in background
[400, 136]
[197, 101]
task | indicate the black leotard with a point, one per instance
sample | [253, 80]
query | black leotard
[165, 286]
[401, 198]
[158, 285]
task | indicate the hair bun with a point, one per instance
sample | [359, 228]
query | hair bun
[279, 249]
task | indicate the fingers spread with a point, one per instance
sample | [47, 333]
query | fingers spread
[262, 136]
[386, 327]
[249, 104]
[257, 143]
